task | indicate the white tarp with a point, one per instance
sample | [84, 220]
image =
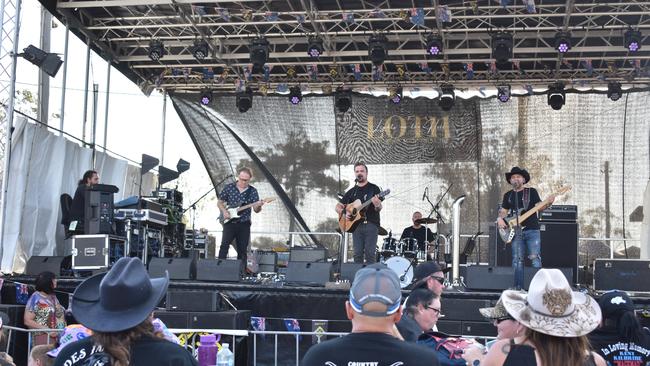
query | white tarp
[645, 225]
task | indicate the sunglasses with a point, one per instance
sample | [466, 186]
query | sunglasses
[499, 320]
[441, 280]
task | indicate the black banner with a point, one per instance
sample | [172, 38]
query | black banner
[376, 131]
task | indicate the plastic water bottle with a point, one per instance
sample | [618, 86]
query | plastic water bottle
[207, 350]
[225, 356]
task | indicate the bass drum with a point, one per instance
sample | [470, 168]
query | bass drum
[404, 269]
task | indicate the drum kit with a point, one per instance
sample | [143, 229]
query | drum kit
[403, 255]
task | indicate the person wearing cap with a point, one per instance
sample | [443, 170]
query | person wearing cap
[429, 275]
[557, 321]
[517, 201]
[620, 339]
[116, 306]
[507, 326]
[374, 308]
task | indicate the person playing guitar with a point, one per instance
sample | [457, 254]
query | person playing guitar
[519, 200]
[364, 236]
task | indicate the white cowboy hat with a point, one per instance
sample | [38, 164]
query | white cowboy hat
[552, 308]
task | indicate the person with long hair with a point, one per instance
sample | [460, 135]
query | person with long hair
[507, 326]
[620, 336]
[117, 306]
[78, 206]
[43, 310]
[557, 321]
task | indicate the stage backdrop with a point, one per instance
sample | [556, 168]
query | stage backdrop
[597, 146]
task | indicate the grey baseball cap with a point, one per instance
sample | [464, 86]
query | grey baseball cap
[375, 284]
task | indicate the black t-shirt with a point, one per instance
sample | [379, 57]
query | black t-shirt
[418, 234]
[513, 200]
[377, 349]
[78, 204]
[607, 343]
[144, 352]
[363, 194]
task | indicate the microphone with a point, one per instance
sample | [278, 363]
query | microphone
[356, 180]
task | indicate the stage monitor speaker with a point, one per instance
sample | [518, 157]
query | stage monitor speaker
[223, 270]
[173, 319]
[307, 255]
[478, 329]
[489, 278]
[559, 247]
[315, 273]
[37, 264]
[178, 268]
[622, 274]
[232, 319]
[187, 300]
[348, 270]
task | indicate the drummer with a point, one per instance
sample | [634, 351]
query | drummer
[416, 231]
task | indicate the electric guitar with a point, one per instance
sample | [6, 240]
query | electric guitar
[355, 210]
[507, 234]
[234, 211]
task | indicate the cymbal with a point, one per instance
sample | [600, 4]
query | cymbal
[426, 220]
[381, 231]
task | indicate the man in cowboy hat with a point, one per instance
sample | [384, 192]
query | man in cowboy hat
[517, 201]
[116, 306]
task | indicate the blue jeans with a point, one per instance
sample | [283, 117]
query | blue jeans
[364, 239]
[525, 240]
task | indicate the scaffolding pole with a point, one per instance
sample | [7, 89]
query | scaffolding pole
[85, 116]
[65, 79]
[164, 122]
[108, 93]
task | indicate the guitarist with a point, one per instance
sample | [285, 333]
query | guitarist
[234, 195]
[364, 237]
[521, 199]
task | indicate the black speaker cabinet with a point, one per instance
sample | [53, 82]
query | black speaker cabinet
[174, 319]
[224, 270]
[479, 329]
[559, 247]
[622, 274]
[178, 268]
[348, 270]
[464, 309]
[186, 300]
[309, 272]
[232, 319]
[307, 254]
[38, 264]
[489, 278]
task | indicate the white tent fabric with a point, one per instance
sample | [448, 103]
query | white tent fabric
[645, 225]
[44, 166]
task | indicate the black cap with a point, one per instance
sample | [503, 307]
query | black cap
[426, 269]
[614, 303]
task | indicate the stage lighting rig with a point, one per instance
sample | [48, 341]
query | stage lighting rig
[434, 45]
[395, 95]
[156, 50]
[556, 96]
[502, 47]
[563, 42]
[503, 92]
[614, 90]
[295, 95]
[206, 97]
[48, 62]
[259, 51]
[200, 49]
[447, 97]
[245, 100]
[633, 40]
[343, 99]
[377, 49]
[315, 47]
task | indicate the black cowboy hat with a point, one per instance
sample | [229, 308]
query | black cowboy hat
[518, 170]
[119, 299]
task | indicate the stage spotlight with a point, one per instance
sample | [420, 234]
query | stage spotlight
[434, 45]
[315, 48]
[245, 100]
[200, 49]
[48, 62]
[633, 40]
[563, 42]
[502, 47]
[259, 52]
[295, 94]
[447, 97]
[503, 93]
[343, 99]
[395, 95]
[614, 90]
[156, 50]
[556, 96]
[377, 49]
[206, 97]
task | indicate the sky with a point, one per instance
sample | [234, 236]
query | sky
[134, 120]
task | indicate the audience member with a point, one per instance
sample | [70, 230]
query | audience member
[620, 339]
[374, 308]
[429, 275]
[5, 359]
[71, 333]
[38, 356]
[420, 314]
[43, 310]
[557, 321]
[117, 307]
[507, 326]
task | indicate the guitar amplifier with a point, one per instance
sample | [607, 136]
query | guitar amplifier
[622, 274]
[566, 213]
